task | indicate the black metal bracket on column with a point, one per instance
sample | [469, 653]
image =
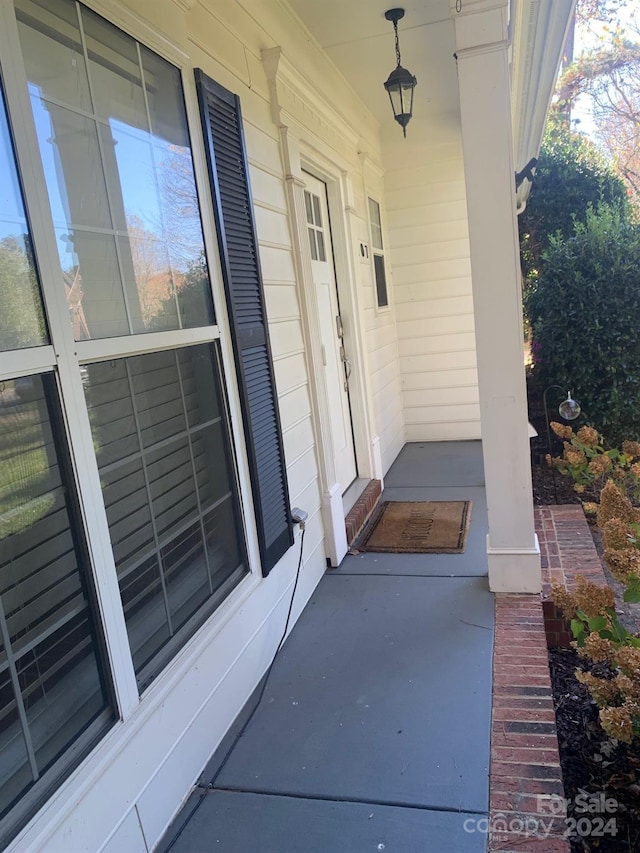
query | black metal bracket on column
[527, 173]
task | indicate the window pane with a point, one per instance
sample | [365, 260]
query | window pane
[308, 206]
[164, 96]
[376, 224]
[168, 482]
[312, 244]
[197, 377]
[21, 316]
[381, 281]
[92, 284]
[114, 143]
[54, 59]
[52, 682]
[116, 82]
[317, 215]
[72, 149]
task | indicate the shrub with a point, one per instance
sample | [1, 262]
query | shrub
[571, 175]
[598, 632]
[588, 462]
[601, 637]
[583, 312]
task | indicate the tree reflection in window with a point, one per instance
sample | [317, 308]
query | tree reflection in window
[112, 129]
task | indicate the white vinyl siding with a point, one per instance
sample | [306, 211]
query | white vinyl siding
[283, 311]
[427, 216]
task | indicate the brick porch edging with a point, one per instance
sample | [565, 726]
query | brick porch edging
[525, 764]
[362, 509]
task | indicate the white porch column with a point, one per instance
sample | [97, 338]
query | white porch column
[482, 51]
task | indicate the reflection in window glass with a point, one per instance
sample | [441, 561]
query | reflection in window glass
[112, 129]
[376, 224]
[162, 442]
[21, 316]
[52, 688]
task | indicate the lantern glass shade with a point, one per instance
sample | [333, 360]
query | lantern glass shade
[400, 85]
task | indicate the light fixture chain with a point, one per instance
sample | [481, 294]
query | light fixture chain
[395, 27]
[458, 5]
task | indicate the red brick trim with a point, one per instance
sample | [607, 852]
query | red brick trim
[361, 511]
[566, 546]
[525, 763]
[567, 550]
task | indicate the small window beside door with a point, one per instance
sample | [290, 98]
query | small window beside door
[316, 228]
[375, 223]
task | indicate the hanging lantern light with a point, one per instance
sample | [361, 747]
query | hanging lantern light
[400, 83]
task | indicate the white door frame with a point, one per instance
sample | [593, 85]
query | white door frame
[333, 510]
[341, 213]
[336, 351]
[344, 283]
[302, 150]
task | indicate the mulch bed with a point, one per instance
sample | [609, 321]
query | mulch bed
[593, 764]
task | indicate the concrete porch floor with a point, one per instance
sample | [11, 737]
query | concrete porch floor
[374, 730]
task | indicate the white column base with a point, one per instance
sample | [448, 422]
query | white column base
[335, 533]
[514, 569]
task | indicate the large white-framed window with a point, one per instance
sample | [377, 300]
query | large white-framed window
[56, 697]
[113, 337]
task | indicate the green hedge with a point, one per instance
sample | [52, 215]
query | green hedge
[571, 175]
[584, 312]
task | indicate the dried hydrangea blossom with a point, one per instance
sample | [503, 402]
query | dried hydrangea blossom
[588, 436]
[617, 723]
[624, 564]
[631, 448]
[616, 534]
[603, 690]
[614, 504]
[561, 430]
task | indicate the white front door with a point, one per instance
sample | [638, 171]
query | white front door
[335, 348]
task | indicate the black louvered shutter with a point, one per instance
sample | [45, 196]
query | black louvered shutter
[229, 176]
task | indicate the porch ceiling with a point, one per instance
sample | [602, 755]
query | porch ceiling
[359, 40]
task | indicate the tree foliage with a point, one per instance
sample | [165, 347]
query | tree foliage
[21, 315]
[599, 10]
[571, 176]
[609, 76]
[583, 312]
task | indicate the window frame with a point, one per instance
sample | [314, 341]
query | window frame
[65, 356]
[380, 253]
[100, 728]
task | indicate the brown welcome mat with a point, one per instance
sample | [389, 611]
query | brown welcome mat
[418, 527]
